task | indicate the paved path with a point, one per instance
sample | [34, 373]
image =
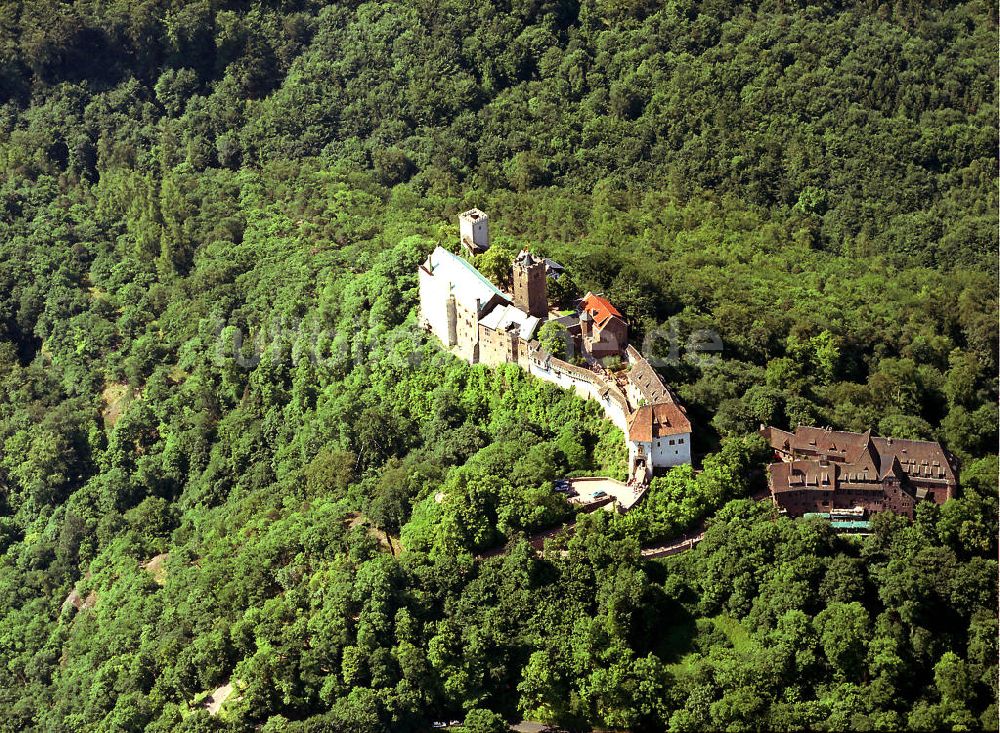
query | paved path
[537, 540]
[685, 542]
[626, 495]
[213, 703]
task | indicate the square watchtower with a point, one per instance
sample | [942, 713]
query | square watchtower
[529, 285]
[474, 230]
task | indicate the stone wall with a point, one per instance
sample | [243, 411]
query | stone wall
[609, 339]
[583, 381]
[671, 450]
[876, 499]
[467, 329]
[497, 347]
[433, 305]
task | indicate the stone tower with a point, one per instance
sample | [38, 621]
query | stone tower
[474, 231]
[529, 285]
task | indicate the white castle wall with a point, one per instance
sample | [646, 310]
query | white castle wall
[557, 373]
[433, 305]
[474, 226]
[677, 454]
[660, 453]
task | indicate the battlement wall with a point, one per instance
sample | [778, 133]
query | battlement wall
[583, 381]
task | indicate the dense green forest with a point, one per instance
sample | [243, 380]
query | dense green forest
[227, 453]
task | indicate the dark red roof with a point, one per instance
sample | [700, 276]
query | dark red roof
[817, 459]
[918, 459]
[798, 475]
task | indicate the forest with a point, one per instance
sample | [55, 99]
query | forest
[230, 457]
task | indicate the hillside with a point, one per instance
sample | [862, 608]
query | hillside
[230, 460]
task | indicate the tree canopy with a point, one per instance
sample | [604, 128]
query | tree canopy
[229, 456]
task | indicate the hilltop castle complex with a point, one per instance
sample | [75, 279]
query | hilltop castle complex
[482, 324]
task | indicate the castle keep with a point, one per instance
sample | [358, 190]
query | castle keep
[530, 293]
[480, 323]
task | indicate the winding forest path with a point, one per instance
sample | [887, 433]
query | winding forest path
[686, 541]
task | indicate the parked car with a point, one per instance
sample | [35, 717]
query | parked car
[599, 494]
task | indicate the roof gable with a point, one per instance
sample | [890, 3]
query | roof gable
[834, 443]
[657, 421]
[867, 458]
[599, 308]
[919, 459]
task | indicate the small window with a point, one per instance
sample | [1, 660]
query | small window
[680, 441]
[671, 442]
[657, 444]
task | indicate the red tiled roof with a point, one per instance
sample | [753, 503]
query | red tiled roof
[799, 475]
[838, 444]
[600, 308]
[825, 460]
[918, 459]
[656, 421]
[778, 439]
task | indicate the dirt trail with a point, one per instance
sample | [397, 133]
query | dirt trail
[213, 703]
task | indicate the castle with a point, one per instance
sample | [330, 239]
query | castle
[477, 321]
